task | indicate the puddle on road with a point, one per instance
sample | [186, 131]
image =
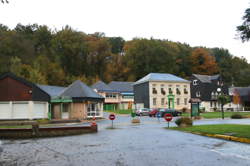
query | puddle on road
[93, 145]
[219, 144]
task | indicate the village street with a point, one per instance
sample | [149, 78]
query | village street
[134, 145]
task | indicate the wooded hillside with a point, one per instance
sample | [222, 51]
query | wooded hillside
[46, 56]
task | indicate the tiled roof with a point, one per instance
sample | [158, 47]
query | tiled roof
[206, 78]
[79, 90]
[121, 86]
[160, 77]
[101, 86]
[53, 91]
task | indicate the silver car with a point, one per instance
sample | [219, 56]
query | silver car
[142, 112]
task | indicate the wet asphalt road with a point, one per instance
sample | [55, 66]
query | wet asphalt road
[146, 144]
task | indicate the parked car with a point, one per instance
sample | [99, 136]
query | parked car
[142, 112]
[173, 112]
[153, 112]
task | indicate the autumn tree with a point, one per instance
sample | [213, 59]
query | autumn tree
[203, 62]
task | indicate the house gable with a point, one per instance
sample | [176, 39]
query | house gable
[14, 90]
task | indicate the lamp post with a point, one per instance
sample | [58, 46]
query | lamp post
[219, 99]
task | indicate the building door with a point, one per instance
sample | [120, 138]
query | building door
[65, 110]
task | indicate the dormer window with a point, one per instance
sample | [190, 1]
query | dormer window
[195, 82]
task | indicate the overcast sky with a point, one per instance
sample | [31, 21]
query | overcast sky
[210, 23]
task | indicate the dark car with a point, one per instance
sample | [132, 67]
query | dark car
[173, 112]
[153, 112]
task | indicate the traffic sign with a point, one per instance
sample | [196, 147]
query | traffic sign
[168, 117]
[112, 116]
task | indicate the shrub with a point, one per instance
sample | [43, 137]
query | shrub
[184, 121]
[237, 116]
[185, 110]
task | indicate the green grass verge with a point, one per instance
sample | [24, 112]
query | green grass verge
[210, 115]
[223, 129]
[120, 111]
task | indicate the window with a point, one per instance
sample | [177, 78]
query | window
[170, 91]
[163, 91]
[195, 82]
[211, 104]
[178, 92]
[111, 95]
[127, 97]
[198, 94]
[185, 89]
[162, 101]
[154, 101]
[185, 101]
[93, 110]
[154, 91]
[178, 101]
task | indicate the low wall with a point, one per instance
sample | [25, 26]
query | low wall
[36, 132]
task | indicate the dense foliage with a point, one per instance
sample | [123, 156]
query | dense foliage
[47, 56]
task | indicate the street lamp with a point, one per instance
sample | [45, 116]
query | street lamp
[219, 99]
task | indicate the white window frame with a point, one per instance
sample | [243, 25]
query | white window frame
[93, 110]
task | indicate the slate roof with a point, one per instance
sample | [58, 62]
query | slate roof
[206, 78]
[160, 77]
[53, 91]
[80, 90]
[102, 87]
[122, 86]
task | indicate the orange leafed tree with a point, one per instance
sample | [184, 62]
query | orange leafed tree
[203, 62]
[236, 97]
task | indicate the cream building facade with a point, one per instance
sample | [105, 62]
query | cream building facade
[162, 90]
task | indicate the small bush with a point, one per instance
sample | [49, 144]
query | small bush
[184, 121]
[237, 116]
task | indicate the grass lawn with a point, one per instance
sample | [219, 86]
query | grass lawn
[120, 111]
[210, 115]
[224, 129]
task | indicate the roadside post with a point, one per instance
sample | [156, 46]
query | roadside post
[112, 118]
[168, 118]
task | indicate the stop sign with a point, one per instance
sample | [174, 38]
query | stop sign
[112, 116]
[168, 117]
